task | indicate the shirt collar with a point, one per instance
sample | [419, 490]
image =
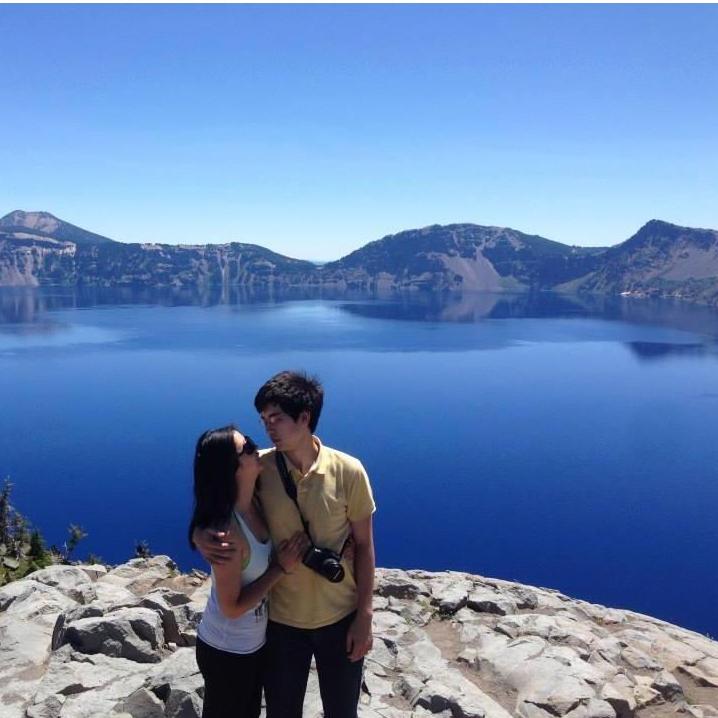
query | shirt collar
[319, 466]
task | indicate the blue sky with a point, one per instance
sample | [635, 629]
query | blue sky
[312, 130]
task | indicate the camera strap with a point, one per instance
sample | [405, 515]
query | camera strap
[291, 488]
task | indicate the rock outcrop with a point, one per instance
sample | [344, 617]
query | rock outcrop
[660, 260]
[37, 248]
[87, 641]
[462, 257]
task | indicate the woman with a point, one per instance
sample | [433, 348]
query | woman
[231, 635]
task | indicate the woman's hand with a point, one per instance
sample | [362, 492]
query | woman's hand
[291, 551]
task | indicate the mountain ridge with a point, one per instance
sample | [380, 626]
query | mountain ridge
[45, 224]
[661, 259]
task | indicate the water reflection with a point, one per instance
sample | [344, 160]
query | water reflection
[472, 307]
[25, 305]
[26, 312]
[652, 351]
[33, 311]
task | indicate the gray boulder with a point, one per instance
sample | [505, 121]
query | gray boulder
[72, 581]
[85, 643]
[132, 633]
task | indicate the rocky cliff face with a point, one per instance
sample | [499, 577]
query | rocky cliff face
[85, 641]
[462, 256]
[659, 260]
[37, 248]
[662, 260]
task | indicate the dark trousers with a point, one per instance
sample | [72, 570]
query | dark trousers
[289, 656]
[232, 682]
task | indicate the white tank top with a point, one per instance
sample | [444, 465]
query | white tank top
[245, 634]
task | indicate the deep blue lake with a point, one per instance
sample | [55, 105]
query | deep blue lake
[561, 442]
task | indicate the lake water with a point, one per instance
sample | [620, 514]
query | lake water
[558, 442]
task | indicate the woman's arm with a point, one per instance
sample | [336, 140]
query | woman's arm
[234, 600]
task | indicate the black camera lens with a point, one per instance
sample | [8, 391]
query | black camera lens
[332, 570]
[325, 562]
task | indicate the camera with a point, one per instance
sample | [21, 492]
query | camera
[325, 562]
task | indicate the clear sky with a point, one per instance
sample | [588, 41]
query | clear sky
[312, 130]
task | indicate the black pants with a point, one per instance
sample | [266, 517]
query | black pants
[232, 682]
[289, 656]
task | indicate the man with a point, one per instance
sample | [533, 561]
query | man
[309, 615]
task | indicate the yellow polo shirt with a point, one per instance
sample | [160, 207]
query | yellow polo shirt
[334, 492]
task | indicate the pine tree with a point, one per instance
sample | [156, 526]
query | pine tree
[5, 513]
[37, 546]
[22, 549]
[143, 550]
[76, 534]
[19, 532]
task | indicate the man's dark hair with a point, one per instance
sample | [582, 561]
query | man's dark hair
[293, 392]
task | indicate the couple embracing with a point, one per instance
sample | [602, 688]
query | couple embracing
[274, 525]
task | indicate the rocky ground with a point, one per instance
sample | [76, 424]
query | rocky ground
[85, 641]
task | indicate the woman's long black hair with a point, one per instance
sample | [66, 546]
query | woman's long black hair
[215, 487]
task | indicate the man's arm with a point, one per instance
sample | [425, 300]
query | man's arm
[359, 635]
[216, 547]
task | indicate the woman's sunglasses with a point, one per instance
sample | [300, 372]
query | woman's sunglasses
[249, 447]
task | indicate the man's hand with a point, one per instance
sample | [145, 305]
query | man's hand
[359, 637]
[291, 551]
[215, 546]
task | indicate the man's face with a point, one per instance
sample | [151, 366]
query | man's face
[284, 432]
